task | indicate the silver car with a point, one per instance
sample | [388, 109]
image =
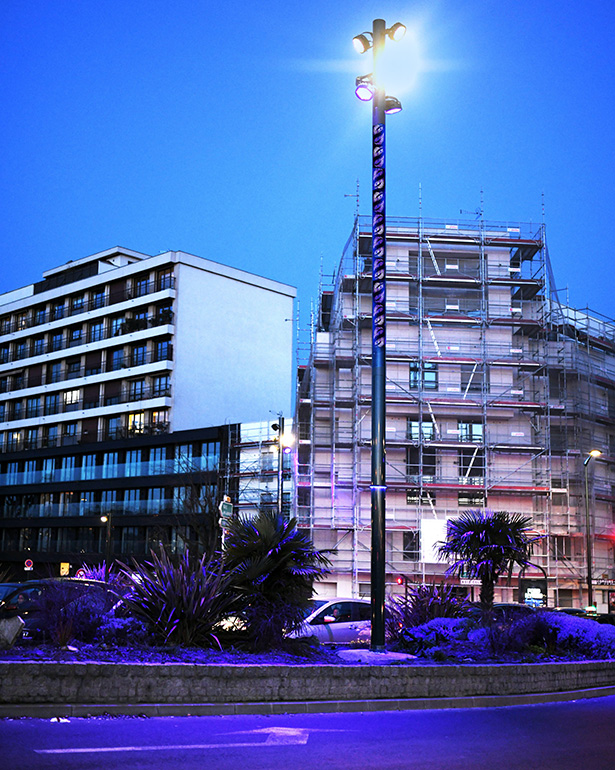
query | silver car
[338, 621]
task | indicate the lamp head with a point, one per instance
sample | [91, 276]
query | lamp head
[364, 88]
[595, 453]
[104, 519]
[392, 105]
[397, 31]
[362, 42]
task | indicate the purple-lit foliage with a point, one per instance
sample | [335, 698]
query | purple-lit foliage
[485, 545]
[273, 567]
[425, 602]
[67, 611]
[182, 602]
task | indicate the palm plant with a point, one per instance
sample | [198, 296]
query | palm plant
[485, 545]
[273, 567]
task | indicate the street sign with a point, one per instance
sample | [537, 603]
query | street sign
[226, 511]
[80, 573]
[64, 569]
[28, 565]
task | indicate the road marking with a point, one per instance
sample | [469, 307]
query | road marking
[276, 736]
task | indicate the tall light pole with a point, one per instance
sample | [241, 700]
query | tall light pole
[370, 87]
[106, 519]
[588, 533]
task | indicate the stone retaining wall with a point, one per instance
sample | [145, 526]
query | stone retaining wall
[124, 683]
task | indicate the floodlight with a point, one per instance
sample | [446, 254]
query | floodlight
[392, 105]
[364, 88]
[362, 42]
[397, 31]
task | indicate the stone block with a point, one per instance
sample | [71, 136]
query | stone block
[10, 631]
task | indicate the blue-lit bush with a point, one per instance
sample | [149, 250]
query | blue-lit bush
[180, 601]
[535, 637]
[424, 603]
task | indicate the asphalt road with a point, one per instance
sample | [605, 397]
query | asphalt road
[578, 735]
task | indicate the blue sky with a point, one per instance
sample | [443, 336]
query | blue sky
[232, 131]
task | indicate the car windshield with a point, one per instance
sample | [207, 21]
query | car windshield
[314, 605]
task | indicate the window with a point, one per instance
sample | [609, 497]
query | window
[160, 418]
[110, 465]
[69, 436]
[55, 372]
[471, 498]
[73, 368]
[71, 400]
[561, 547]
[4, 384]
[141, 286]
[57, 311]
[418, 430]
[471, 431]
[51, 435]
[136, 390]
[117, 326]
[155, 499]
[57, 341]
[21, 351]
[183, 458]
[76, 337]
[133, 462]
[161, 385]
[97, 331]
[136, 422]
[76, 305]
[427, 375]
[52, 403]
[18, 380]
[415, 458]
[31, 440]
[88, 467]
[40, 316]
[4, 354]
[38, 346]
[157, 460]
[165, 279]
[164, 351]
[138, 355]
[32, 407]
[2, 412]
[472, 378]
[471, 466]
[98, 299]
[5, 325]
[117, 360]
[114, 427]
[16, 410]
[412, 546]
[67, 469]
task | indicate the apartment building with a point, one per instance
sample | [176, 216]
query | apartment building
[122, 379]
[496, 393]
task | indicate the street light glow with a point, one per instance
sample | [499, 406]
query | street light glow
[595, 453]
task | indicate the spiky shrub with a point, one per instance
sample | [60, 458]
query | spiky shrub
[179, 601]
[425, 602]
[486, 544]
[273, 567]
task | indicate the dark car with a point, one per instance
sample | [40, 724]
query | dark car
[39, 602]
[6, 588]
[503, 612]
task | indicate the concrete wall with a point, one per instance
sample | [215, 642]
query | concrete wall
[107, 683]
[233, 345]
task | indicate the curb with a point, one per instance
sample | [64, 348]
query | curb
[50, 710]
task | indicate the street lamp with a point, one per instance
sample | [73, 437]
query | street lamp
[284, 448]
[366, 84]
[588, 536]
[106, 519]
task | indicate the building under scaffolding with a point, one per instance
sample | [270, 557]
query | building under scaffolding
[495, 395]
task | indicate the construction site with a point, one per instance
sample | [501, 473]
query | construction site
[496, 394]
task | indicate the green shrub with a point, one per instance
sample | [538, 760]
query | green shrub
[179, 601]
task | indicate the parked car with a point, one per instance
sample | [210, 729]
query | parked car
[503, 612]
[338, 621]
[27, 600]
[6, 588]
